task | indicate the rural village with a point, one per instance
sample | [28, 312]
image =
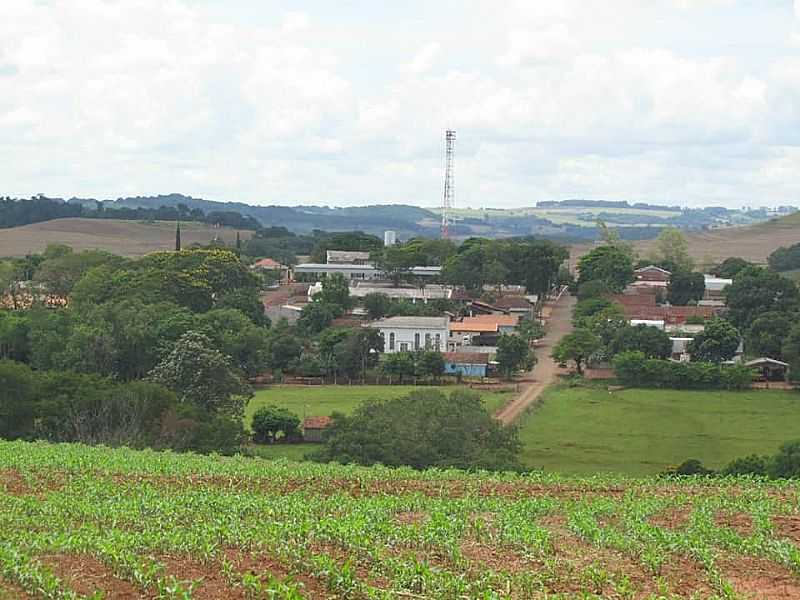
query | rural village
[399, 301]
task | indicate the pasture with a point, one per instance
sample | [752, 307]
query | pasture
[126, 238]
[80, 522]
[641, 432]
[322, 400]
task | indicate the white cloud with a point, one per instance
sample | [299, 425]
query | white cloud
[424, 59]
[550, 100]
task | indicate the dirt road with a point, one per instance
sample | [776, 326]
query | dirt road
[546, 369]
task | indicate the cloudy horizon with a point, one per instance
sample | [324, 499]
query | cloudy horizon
[688, 102]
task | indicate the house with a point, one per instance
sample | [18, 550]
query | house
[769, 369]
[345, 257]
[269, 265]
[406, 334]
[313, 428]
[715, 286]
[477, 307]
[481, 330]
[652, 273]
[468, 364]
[515, 305]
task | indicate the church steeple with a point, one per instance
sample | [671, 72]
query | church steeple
[178, 236]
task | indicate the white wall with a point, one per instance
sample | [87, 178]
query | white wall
[406, 336]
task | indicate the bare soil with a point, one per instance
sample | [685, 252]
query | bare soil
[86, 575]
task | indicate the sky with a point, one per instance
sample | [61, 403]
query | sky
[688, 102]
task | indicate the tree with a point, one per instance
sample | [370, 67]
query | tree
[60, 273]
[235, 335]
[354, 241]
[359, 351]
[398, 364]
[717, 343]
[429, 363]
[755, 291]
[609, 264]
[596, 288]
[588, 308]
[394, 261]
[422, 430]
[530, 330]
[578, 347]
[201, 375]
[652, 342]
[377, 305]
[335, 292]
[248, 302]
[282, 349]
[270, 421]
[685, 286]
[785, 259]
[731, 267]
[316, 317]
[768, 333]
[671, 247]
[786, 463]
[513, 354]
[17, 401]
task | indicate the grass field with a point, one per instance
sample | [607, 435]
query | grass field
[640, 432]
[126, 238]
[322, 400]
[80, 522]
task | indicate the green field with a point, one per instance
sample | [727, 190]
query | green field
[640, 432]
[322, 400]
[78, 522]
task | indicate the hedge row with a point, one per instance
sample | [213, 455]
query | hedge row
[635, 369]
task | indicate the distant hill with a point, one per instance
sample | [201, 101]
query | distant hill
[127, 238]
[752, 242]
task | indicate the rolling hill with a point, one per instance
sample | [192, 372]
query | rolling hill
[127, 238]
[752, 242]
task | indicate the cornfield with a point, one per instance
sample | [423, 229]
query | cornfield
[81, 522]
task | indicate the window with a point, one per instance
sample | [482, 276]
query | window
[427, 341]
[416, 341]
[391, 341]
[403, 346]
[438, 342]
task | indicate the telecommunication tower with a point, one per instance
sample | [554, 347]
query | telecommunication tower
[448, 200]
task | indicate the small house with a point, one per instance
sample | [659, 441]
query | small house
[313, 428]
[769, 369]
[468, 364]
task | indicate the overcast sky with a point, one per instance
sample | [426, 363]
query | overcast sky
[690, 102]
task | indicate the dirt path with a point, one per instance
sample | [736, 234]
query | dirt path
[546, 369]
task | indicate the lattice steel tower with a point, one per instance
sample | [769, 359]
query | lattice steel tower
[448, 201]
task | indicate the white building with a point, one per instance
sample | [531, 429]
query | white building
[354, 271]
[389, 238]
[406, 334]
[346, 257]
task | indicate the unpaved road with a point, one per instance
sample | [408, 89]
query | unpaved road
[546, 369]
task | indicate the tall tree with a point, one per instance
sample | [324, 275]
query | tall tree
[513, 354]
[717, 343]
[578, 346]
[671, 247]
[768, 333]
[608, 264]
[755, 291]
[201, 375]
[685, 286]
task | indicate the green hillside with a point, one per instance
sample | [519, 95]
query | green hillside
[80, 522]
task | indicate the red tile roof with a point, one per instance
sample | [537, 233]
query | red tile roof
[671, 315]
[485, 323]
[466, 358]
[634, 299]
[268, 263]
[316, 422]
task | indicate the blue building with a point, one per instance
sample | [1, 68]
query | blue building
[469, 364]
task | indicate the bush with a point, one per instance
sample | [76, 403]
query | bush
[786, 463]
[691, 467]
[271, 421]
[749, 465]
[635, 370]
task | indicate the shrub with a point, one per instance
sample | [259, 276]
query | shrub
[749, 465]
